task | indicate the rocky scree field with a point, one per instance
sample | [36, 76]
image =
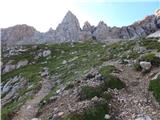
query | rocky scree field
[81, 81]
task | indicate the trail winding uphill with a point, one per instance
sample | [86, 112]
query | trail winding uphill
[135, 102]
[30, 108]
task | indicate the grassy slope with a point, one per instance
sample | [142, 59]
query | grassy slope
[87, 55]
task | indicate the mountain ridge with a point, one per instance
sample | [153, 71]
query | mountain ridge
[69, 30]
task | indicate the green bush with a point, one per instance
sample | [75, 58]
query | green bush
[95, 112]
[151, 44]
[88, 92]
[113, 82]
[151, 57]
[155, 87]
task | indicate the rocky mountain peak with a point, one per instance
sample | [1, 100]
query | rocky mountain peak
[70, 17]
[69, 31]
[101, 23]
[69, 28]
[157, 13]
[50, 29]
[87, 26]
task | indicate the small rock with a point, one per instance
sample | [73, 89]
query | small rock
[64, 62]
[60, 113]
[22, 63]
[44, 72]
[107, 116]
[144, 118]
[46, 53]
[95, 98]
[29, 107]
[34, 119]
[156, 76]
[53, 98]
[58, 91]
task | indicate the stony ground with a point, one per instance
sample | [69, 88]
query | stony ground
[135, 101]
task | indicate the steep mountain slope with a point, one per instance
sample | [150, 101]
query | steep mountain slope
[69, 31]
[80, 80]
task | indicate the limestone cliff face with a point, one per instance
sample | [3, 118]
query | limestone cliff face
[17, 33]
[69, 31]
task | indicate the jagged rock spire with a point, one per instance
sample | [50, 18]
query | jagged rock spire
[69, 28]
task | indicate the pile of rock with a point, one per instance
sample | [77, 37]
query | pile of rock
[44, 53]
[9, 66]
[10, 88]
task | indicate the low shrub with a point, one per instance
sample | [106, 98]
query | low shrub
[113, 82]
[88, 92]
[95, 112]
[151, 57]
[154, 86]
[151, 44]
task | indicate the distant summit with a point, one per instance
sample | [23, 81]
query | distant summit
[69, 31]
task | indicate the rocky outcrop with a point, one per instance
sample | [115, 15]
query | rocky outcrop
[87, 27]
[69, 31]
[154, 35]
[140, 28]
[21, 34]
[17, 33]
[50, 35]
[101, 31]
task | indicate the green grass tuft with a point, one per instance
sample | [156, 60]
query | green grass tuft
[96, 112]
[155, 87]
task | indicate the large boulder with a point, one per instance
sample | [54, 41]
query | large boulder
[8, 68]
[145, 65]
[22, 63]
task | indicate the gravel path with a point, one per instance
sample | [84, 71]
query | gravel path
[30, 108]
[135, 101]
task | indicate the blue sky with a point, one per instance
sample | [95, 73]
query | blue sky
[43, 14]
[120, 13]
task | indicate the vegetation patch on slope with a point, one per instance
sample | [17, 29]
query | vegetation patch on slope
[155, 87]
